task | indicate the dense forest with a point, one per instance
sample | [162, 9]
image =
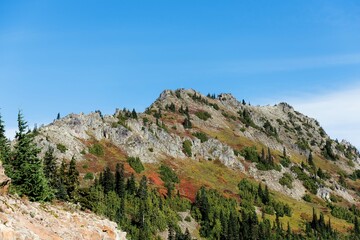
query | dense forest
[143, 212]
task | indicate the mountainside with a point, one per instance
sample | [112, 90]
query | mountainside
[216, 141]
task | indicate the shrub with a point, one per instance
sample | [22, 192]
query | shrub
[269, 210]
[187, 123]
[89, 176]
[310, 185]
[250, 154]
[136, 164]
[203, 115]
[187, 219]
[202, 136]
[62, 148]
[215, 106]
[245, 117]
[307, 198]
[96, 149]
[327, 151]
[303, 144]
[285, 161]
[269, 129]
[342, 213]
[286, 180]
[334, 198]
[187, 148]
[168, 175]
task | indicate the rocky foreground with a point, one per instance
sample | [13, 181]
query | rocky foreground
[21, 219]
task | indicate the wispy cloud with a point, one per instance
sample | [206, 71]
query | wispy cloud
[338, 112]
[291, 64]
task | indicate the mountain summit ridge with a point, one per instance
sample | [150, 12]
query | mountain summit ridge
[228, 125]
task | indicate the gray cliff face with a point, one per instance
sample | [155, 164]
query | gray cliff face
[148, 141]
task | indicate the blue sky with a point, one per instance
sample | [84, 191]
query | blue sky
[79, 56]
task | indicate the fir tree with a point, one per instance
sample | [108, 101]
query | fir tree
[288, 232]
[356, 227]
[120, 180]
[314, 222]
[187, 235]
[50, 169]
[310, 159]
[108, 180]
[131, 185]
[171, 235]
[263, 155]
[169, 187]
[187, 123]
[270, 159]
[142, 191]
[284, 153]
[62, 193]
[260, 193]
[26, 168]
[72, 178]
[266, 196]
[134, 114]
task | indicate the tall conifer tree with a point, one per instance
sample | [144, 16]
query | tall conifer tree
[27, 169]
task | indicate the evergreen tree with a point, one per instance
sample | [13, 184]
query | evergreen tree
[270, 159]
[72, 179]
[50, 169]
[187, 123]
[131, 185]
[356, 227]
[284, 153]
[288, 232]
[58, 116]
[171, 235]
[134, 114]
[142, 191]
[120, 180]
[187, 235]
[260, 193]
[26, 168]
[314, 222]
[263, 158]
[62, 192]
[108, 180]
[169, 187]
[266, 196]
[310, 159]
